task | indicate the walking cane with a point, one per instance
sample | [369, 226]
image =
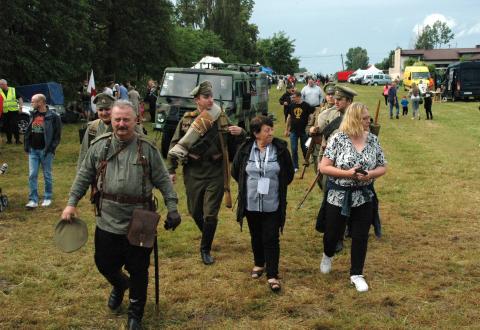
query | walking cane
[155, 261]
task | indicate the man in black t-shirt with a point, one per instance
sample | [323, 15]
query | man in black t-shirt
[40, 141]
[286, 99]
[297, 120]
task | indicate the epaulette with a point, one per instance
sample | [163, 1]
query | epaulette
[101, 137]
[191, 114]
[93, 126]
[143, 138]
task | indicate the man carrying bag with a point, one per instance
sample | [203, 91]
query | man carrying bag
[123, 169]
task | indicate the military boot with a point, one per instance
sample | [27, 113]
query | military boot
[135, 314]
[208, 234]
[122, 283]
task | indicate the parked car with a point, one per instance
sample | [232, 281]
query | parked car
[377, 79]
[53, 92]
[355, 78]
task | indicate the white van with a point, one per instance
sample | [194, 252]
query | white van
[376, 79]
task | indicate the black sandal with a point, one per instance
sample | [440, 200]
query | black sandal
[256, 274]
[274, 285]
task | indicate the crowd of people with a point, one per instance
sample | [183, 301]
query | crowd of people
[121, 168]
[418, 94]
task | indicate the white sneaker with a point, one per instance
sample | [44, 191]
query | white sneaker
[359, 283]
[326, 264]
[31, 205]
[46, 202]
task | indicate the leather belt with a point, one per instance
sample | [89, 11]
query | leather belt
[125, 199]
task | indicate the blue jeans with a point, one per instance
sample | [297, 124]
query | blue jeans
[35, 158]
[294, 136]
[391, 108]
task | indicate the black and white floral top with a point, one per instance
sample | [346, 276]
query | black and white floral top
[342, 152]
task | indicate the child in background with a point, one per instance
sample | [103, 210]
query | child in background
[404, 103]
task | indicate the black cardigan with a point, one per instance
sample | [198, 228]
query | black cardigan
[285, 176]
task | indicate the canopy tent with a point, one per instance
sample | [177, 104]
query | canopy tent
[53, 92]
[372, 69]
[205, 62]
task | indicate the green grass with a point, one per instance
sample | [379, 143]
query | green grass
[423, 273]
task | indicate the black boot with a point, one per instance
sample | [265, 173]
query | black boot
[208, 234]
[135, 314]
[120, 283]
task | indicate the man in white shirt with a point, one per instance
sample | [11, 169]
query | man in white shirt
[312, 94]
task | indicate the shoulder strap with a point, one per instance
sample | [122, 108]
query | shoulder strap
[146, 172]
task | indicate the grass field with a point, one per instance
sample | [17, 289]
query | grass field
[423, 273]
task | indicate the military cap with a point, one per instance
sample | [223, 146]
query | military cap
[103, 101]
[204, 88]
[343, 91]
[329, 88]
[70, 235]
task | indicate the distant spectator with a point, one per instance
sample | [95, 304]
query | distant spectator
[123, 92]
[393, 100]
[415, 98]
[427, 103]
[404, 103]
[151, 99]
[385, 92]
[286, 99]
[109, 88]
[10, 110]
[312, 94]
[134, 97]
[85, 98]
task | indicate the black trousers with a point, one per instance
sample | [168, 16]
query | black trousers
[264, 232]
[360, 221]
[112, 252]
[404, 111]
[428, 111]
[11, 125]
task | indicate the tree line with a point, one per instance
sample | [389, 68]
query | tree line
[62, 40]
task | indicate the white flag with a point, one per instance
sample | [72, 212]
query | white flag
[91, 89]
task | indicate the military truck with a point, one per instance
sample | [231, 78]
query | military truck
[240, 89]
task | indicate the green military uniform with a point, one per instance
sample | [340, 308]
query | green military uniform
[123, 176]
[312, 122]
[123, 186]
[98, 127]
[203, 174]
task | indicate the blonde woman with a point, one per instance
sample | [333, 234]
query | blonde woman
[353, 159]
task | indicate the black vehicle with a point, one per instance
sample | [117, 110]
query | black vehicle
[462, 81]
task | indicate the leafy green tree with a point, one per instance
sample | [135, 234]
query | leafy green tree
[356, 58]
[277, 53]
[387, 61]
[191, 45]
[434, 36]
[44, 40]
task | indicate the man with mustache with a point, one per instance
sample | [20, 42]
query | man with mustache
[125, 167]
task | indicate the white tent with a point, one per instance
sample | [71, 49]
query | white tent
[205, 62]
[370, 70]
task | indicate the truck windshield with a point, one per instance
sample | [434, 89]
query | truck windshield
[420, 75]
[222, 86]
[178, 84]
[181, 84]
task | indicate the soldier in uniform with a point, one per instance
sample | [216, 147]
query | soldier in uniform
[202, 165]
[102, 125]
[329, 90]
[132, 167]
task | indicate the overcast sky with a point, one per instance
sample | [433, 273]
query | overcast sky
[325, 29]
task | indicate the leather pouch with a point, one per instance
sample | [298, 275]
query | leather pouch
[143, 228]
